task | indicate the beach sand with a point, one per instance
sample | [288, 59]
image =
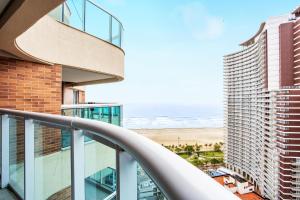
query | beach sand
[182, 136]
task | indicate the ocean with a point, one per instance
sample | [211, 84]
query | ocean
[158, 116]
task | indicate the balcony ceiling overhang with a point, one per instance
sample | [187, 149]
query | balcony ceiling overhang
[20, 15]
[36, 37]
[3, 4]
[79, 77]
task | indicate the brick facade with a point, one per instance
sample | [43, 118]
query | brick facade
[31, 87]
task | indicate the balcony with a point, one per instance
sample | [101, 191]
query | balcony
[89, 51]
[105, 168]
[81, 15]
[109, 113]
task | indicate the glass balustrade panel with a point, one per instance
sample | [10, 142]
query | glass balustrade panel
[52, 164]
[100, 171]
[16, 154]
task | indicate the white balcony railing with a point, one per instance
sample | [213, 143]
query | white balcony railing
[175, 177]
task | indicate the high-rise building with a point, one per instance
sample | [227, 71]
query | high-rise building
[262, 108]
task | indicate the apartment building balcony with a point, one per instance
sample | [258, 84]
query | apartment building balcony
[109, 113]
[105, 168]
[67, 34]
[105, 112]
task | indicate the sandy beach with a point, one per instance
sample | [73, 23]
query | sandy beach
[183, 135]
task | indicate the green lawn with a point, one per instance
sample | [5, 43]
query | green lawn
[205, 157]
[184, 156]
[211, 154]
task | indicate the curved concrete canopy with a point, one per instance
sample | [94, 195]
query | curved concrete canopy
[55, 42]
[36, 37]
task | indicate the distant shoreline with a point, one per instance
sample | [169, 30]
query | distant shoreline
[176, 136]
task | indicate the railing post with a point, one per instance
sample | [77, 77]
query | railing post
[63, 12]
[4, 151]
[121, 115]
[127, 176]
[121, 34]
[110, 29]
[84, 14]
[29, 159]
[110, 113]
[77, 165]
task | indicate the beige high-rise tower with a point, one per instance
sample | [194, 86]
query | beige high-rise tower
[262, 108]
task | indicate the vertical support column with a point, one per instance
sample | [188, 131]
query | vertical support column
[77, 165]
[127, 176]
[29, 159]
[4, 151]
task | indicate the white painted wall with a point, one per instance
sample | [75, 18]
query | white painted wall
[231, 189]
[244, 188]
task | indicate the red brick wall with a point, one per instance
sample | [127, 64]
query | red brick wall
[32, 87]
[286, 54]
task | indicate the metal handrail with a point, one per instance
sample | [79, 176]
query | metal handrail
[88, 105]
[177, 178]
[113, 16]
[83, 20]
[111, 196]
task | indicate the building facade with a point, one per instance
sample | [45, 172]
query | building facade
[262, 108]
[46, 60]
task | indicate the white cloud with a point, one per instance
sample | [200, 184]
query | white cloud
[200, 22]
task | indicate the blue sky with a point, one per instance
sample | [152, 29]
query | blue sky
[174, 48]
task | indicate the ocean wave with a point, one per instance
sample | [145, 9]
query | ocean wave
[171, 122]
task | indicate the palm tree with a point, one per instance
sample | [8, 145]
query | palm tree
[217, 147]
[198, 148]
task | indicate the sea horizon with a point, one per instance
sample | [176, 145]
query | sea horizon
[161, 116]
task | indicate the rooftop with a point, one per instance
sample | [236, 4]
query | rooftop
[252, 39]
[239, 179]
[248, 196]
